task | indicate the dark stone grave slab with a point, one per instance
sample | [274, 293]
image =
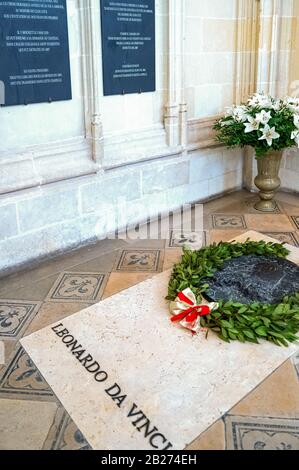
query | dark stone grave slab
[251, 278]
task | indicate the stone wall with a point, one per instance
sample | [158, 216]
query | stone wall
[68, 169]
[48, 219]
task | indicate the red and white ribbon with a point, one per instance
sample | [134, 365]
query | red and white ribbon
[186, 311]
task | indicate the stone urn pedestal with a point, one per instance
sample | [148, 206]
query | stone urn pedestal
[267, 180]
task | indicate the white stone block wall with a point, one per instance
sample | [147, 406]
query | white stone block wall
[210, 59]
[44, 221]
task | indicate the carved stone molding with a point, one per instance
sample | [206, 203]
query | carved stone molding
[38, 165]
[201, 134]
[91, 48]
[176, 108]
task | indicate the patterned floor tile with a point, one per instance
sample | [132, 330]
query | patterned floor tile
[24, 425]
[227, 221]
[21, 380]
[295, 219]
[248, 433]
[77, 287]
[140, 260]
[191, 240]
[64, 434]
[14, 316]
[284, 237]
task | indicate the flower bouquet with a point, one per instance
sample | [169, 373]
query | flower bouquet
[269, 126]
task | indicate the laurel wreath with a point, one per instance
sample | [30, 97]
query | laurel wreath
[234, 321]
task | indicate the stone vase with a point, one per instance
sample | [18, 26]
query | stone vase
[267, 180]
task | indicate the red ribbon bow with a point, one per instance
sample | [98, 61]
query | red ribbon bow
[190, 314]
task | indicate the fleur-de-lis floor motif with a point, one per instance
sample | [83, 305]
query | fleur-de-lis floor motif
[64, 434]
[22, 378]
[14, 316]
[220, 221]
[9, 317]
[261, 433]
[78, 287]
[139, 260]
[284, 237]
[192, 240]
[142, 260]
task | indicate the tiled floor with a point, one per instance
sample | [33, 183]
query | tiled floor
[31, 417]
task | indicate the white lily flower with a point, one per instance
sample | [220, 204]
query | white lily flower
[229, 111]
[276, 105]
[254, 100]
[292, 103]
[291, 100]
[296, 120]
[269, 134]
[260, 100]
[266, 102]
[241, 113]
[294, 108]
[252, 125]
[295, 134]
[263, 117]
[295, 137]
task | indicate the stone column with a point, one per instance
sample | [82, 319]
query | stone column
[91, 46]
[176, 108]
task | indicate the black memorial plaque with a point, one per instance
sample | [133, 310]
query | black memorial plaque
[34, 51]
[251, 278]
[128, 46]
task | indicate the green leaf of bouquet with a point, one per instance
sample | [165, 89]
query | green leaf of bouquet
[262, 331]
[249, 334]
